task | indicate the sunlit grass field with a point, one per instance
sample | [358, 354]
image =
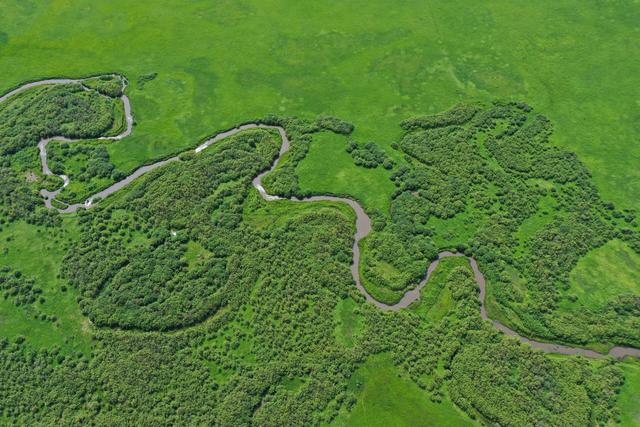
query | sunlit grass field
[386, 398]
[629, 399]
[605, 273]
[37, 252]
[329, 168]
[371, 63]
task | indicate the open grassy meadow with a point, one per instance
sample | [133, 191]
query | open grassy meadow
[606, 273]
[37, 253]
[630, 395]
[328, 168]
[386, 398]
[371, 63]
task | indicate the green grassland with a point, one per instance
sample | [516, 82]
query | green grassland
[449, 233]
[348, 322]
[387, 398]
[328, 168]
[606, 272]
[373, 63]
[37, 252]
[629, 399]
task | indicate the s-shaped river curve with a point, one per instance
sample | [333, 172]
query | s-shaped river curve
[363, 223]
[49, 196]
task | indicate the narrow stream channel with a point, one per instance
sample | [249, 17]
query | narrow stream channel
[363, 222]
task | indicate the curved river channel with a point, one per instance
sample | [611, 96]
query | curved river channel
[363, 222]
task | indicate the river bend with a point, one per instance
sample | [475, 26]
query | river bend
[363, 222]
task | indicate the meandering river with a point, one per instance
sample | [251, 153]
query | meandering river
[363, 222]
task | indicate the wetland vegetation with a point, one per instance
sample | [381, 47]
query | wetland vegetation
[186, 298]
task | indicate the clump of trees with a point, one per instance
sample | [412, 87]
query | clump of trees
[56, 110]
[369, 155]
[23, 292]
[488, 374]
[334, 124]
[96, 158]
[130, 262]
[457, 115]
[108, 85]
[143, 79]
[20, 289]
[96, 168]
[496, 164]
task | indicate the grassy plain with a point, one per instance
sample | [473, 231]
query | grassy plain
[37, 252]
[603, 274]
[348, 322]
[329, 168]
[372, 63]
[387, 398]
[448, 233]
[629, 397]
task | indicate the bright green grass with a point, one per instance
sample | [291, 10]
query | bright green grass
[292, 384]
[78, 191]
[604, 273]
[373, 63]
[536, 223]
[195, 252]
[38, 252]
[348, 322]
[435, 298]
[456, 230]
[629, 397]
[329, 168]
[388, 398]
[241, 348]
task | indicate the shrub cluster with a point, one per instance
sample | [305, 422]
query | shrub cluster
[369, 155]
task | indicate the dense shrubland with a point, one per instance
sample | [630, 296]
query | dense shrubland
[66, 110]
[57, 110]
[270, 356]
[235, 367]
[489, 375]
[369, 155]
[249, 289]
[130, 263]
[334, 124]
[109, 85]
[497, 162]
